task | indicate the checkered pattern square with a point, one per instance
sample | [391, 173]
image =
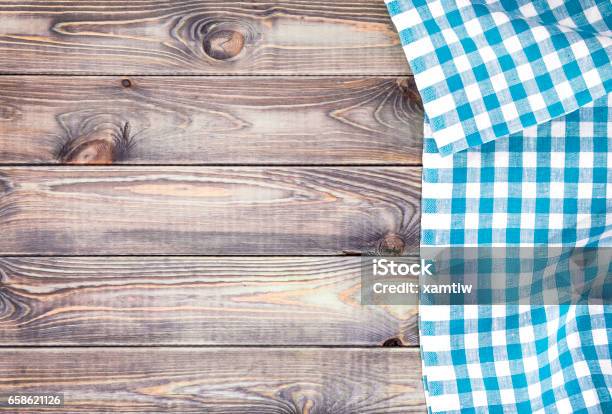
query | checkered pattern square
[487, 69]
[517, 153]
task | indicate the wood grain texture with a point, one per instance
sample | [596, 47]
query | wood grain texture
[208, 210]
[232, 381]
[199, 37]
[210, 120]
[193, 301]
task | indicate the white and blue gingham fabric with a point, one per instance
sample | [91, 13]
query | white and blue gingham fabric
[517, 152]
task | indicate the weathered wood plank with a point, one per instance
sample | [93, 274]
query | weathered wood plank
[193, 301]
[192, 380]
[199, 37]
[207, 210]
[210, 120]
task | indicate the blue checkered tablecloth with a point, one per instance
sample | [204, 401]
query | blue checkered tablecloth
[517, 152]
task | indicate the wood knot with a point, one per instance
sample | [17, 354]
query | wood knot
[5, 186]
[408, 89]
[9, 112]
[391, 245]
[392, 343]
[126, 83]
[94, 151]
[98, 147]
[223, 43]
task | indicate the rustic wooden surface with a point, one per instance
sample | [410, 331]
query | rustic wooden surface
[199, 37]
[207, 211]
[210, 120]
[217, 380]
[193, 301]
[186, 243]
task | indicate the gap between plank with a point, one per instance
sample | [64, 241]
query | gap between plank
[218, 75]
[221, 346]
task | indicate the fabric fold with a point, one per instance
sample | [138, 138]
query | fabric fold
[488, 69]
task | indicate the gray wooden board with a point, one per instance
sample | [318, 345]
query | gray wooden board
[199, 37]
[216, 380]
[229, 301]
[208, 211]
[210, 120]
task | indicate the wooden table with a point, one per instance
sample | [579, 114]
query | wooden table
[184, 189]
